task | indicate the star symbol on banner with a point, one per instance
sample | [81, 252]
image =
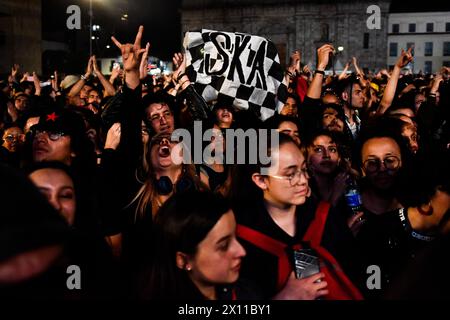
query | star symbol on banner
[52, 117]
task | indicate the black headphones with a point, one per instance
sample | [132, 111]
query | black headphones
[164, 185]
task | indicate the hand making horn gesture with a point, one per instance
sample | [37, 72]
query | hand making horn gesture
[131, 55]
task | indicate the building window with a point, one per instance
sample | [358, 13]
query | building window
[447, 27]
[395, 28]
[412, 27]
[446, 49]
[428, 66]
[366, 41]
[393, 49]
[446, 63]
[410, 45]
[430, 27]
[428, 49]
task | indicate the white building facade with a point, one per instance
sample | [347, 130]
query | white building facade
[429, 35]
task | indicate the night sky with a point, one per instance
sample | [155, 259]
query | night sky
[159, 17]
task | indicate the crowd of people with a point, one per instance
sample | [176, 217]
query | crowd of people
[88, 179]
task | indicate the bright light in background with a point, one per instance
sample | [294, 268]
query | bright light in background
[340, 48]
[108, 46]
[96, 27]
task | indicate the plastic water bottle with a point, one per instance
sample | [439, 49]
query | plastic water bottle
[353, 196]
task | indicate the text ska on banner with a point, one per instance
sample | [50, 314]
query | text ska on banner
[236, 68]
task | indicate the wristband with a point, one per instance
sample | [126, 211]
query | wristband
[320, 71]
[181, 75]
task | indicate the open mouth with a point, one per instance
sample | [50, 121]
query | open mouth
[164, 151]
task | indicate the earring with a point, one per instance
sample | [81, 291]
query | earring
[188, 268]
[427, 212]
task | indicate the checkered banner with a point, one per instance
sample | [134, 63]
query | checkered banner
[241, 69]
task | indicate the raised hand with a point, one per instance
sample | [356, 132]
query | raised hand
[143, 67]
[95, 65]
[37, 84]
[15, 71]
[54, 81]
[344, 74]
[323, 56]
[115, 73]
[405, 58]
[131, 56]
[295, 62]
[179, 61]
[25, 77]
[436, 82]
[131, 53]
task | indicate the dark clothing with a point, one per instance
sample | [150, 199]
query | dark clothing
[12, 159]
[427, 277]
[387, 241]
[215, 178]
[261, 268]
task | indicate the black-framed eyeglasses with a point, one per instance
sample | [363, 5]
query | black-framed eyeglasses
[374, 164]
[54, 136]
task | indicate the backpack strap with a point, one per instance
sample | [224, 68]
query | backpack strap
[268, 244]
[316, 228]
[339, 285]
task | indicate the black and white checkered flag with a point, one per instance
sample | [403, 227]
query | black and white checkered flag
[240, 69]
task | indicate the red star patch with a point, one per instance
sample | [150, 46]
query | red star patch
[52, 117]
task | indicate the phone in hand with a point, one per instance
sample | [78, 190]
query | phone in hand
[306, 263]
[30, 78]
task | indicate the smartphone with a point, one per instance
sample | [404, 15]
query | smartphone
[30, 78]
[306, 263]
[46, 83]
[116, 65]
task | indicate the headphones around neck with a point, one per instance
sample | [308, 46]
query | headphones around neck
[164, 185]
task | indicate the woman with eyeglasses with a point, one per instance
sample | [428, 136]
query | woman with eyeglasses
[276, 221]
[10, 150]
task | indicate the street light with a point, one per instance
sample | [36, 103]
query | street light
[90, 28]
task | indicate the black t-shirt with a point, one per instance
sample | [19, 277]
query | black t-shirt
[388, 241]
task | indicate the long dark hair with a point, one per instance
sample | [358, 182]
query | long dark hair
[182, 222]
